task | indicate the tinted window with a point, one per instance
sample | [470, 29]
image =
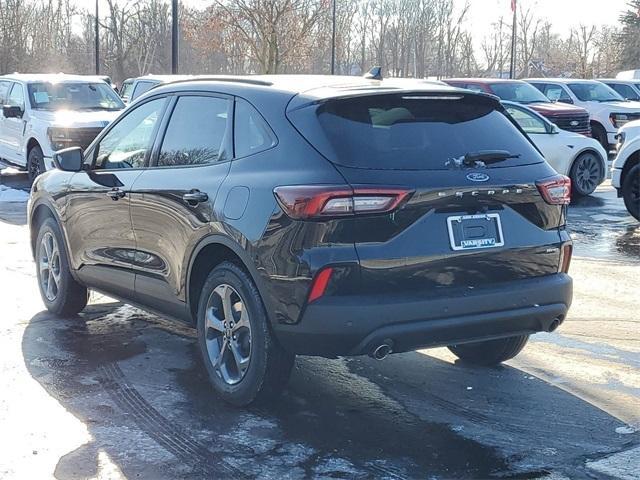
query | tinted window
[518, 92]
[16, 97]
[596, 92]
[73, 96]
[626, 91]
[4, 92]
[410, 132]
[196, 132]
[127, 143]
[142, 87]
[557, 93]
[251, 132]
[529, 122]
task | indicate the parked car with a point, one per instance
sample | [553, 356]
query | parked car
[45, 113]
[132, 88]
[581, 158]
[625, 171]
[607, 109]
[567, 117]
[627, 89]
[312, 215]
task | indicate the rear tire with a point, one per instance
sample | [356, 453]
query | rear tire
[60, 292]
[35, 163]
[586, 173]
[631, 191]
[490, 352]
[245, 363]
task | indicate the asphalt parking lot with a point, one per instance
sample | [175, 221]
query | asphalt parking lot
[119, 393]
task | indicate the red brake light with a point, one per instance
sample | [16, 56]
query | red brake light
[302, 202]
[555, 190]
[319, 285]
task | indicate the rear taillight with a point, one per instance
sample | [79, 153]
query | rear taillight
[565, 257]
[319, 284]
[555, 190]
[303, 202]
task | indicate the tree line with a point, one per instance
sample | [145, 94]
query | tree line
[408, 38]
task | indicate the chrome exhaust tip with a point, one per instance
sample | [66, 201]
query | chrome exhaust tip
[381, 351]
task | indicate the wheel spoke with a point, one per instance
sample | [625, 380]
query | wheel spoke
[50, 286]
[240, 360]
[214, 322]
[243, 322]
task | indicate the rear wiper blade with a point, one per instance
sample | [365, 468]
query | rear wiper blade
[488, 157]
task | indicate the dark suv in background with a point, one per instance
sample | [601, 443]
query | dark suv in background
[567, 117]
[327, 216]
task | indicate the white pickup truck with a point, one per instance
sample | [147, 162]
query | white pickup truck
[625, 171]
[607, 109]
[44, 113]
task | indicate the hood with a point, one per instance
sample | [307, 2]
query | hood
[556, 108]
[78, 119]
[623, 107]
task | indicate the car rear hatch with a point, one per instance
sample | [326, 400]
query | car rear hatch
[459, 222]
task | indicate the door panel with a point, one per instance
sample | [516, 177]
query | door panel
[14, 127]
[172, 204]
[101, 239]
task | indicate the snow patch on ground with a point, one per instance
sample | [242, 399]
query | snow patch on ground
[624, 465]
[12, 195]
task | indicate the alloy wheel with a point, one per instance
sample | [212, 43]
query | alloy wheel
[587, 173]
[228, 334]
[49, 266]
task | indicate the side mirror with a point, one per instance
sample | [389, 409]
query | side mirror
[555, 128]
[12, 111]
[69, 159]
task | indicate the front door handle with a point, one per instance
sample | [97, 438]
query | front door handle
[115, 194]
[195, 196]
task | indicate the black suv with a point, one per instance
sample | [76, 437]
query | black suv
[309, 215]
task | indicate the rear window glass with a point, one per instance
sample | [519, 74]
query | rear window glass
[410, 132]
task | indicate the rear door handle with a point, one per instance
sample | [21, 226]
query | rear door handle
[195, 196]
[116, 194]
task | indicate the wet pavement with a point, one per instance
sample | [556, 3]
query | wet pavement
[119, 393]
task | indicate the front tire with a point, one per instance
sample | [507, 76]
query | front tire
[631, 191]
[600, 134]
[60, 292]
[490, 352]
[244, 362]
[586, 173]
[35, 163]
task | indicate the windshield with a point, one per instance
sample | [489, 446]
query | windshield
[73, 96]
[595, 92]
[410, 131]
[518, 92]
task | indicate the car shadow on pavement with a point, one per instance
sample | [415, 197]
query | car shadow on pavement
[136, 382]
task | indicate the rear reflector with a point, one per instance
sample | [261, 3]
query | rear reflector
[303, 202]
[319, 285]
[555, 190]
[565, 257]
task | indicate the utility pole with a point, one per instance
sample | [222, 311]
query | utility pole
[512, 67]
[174, 36]
[97, 41]
[333, 38]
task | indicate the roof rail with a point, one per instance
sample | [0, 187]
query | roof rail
[249, 81]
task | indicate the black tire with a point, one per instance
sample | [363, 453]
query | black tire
[69, 297]
[631, 191]
[269, 365]
[600, 134]
[586, 174]
[35, 163]
[490, 352]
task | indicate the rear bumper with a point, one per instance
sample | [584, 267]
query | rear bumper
[355, 325]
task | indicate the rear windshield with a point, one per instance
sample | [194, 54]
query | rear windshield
[410, 132]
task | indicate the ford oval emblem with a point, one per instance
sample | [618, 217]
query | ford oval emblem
[477, 177]
[574, 123]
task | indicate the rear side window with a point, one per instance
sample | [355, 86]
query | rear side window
[4, 92]
[251, 132]
[410, 131]
[196, 132]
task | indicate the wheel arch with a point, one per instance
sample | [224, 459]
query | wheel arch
[39, 213]
[210, 252]
[632, 161]
[589, 150]
[31, 143]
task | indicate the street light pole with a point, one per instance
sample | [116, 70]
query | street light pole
[333, 38]
[512, 66]
[97, 41]
[174, 36]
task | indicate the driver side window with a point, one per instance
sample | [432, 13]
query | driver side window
[128, 143]
[529, 123]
